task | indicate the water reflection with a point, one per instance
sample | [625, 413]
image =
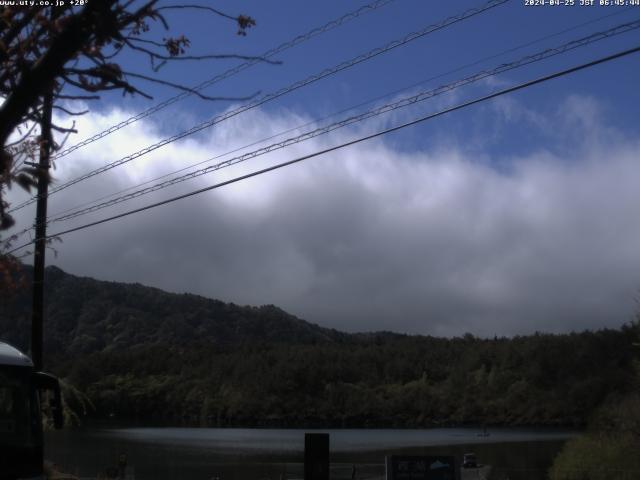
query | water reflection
[255, 454]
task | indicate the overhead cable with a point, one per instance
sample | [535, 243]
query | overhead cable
[228, 73]
[346, 144]
[272, 96]
[389, 107]
[335, 114]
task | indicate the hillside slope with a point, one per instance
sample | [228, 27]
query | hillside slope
[84, 315]
[143, 355]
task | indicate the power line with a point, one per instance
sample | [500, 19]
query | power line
[404, 102]
[272, 96]
[352, 142]
[229, 73]
[353, 107]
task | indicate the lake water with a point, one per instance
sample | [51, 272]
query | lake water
[261, 454]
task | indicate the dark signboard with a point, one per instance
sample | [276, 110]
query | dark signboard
[431, 467]
[316, 456]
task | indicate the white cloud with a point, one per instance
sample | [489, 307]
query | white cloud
[370, 238]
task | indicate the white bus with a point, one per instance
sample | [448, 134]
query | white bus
[20, 414]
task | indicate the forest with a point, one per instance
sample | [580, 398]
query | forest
[137, 355]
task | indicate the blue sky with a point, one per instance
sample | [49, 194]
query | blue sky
[513, 216]
[487, 34]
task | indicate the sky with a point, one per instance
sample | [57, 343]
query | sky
[508, 217]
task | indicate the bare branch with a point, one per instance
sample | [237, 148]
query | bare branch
[138, 16]
[156, 68]
[109, 80]
[78, 97]
[198, 7]
[160, 17]
[64, 141]
[63, 130]
[188, 89]
[15, 29]
[47, 50]
[69, 112]
[24, 137]
[223, 56]
[144, 40]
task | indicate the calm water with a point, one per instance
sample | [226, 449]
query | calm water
[261, 454]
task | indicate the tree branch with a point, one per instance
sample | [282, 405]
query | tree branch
[14, 30]
[63, 130]
[198, 7]
[69, 112]
[187, 89]
[223, 56]
[108, 81]
[78, 97]
[24, 137]
[40, 77]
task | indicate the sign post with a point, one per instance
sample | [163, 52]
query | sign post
[316, 456]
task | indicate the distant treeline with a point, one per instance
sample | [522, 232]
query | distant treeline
[142, 355]
[403, 382]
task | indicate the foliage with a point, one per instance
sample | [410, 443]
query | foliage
[609, 450]
[11, 273]
[598, 457]
[140, 354]
[72, 52]
[69, 53]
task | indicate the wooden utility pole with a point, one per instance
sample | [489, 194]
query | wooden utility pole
[37, 312]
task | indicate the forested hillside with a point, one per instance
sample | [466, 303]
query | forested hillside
[143, 355]
[84, 315]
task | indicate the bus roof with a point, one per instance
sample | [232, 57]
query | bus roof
[12, 356]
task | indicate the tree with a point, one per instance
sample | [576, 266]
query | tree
[71, 53]
[605, 451]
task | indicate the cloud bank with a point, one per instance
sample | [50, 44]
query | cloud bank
[440, 241]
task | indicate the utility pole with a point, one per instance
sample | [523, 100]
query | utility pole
[37, 312]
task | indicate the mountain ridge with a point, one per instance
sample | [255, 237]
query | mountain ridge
[83, 315]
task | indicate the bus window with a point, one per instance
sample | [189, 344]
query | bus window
[15, 409]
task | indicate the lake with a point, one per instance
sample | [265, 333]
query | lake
[261, 454]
